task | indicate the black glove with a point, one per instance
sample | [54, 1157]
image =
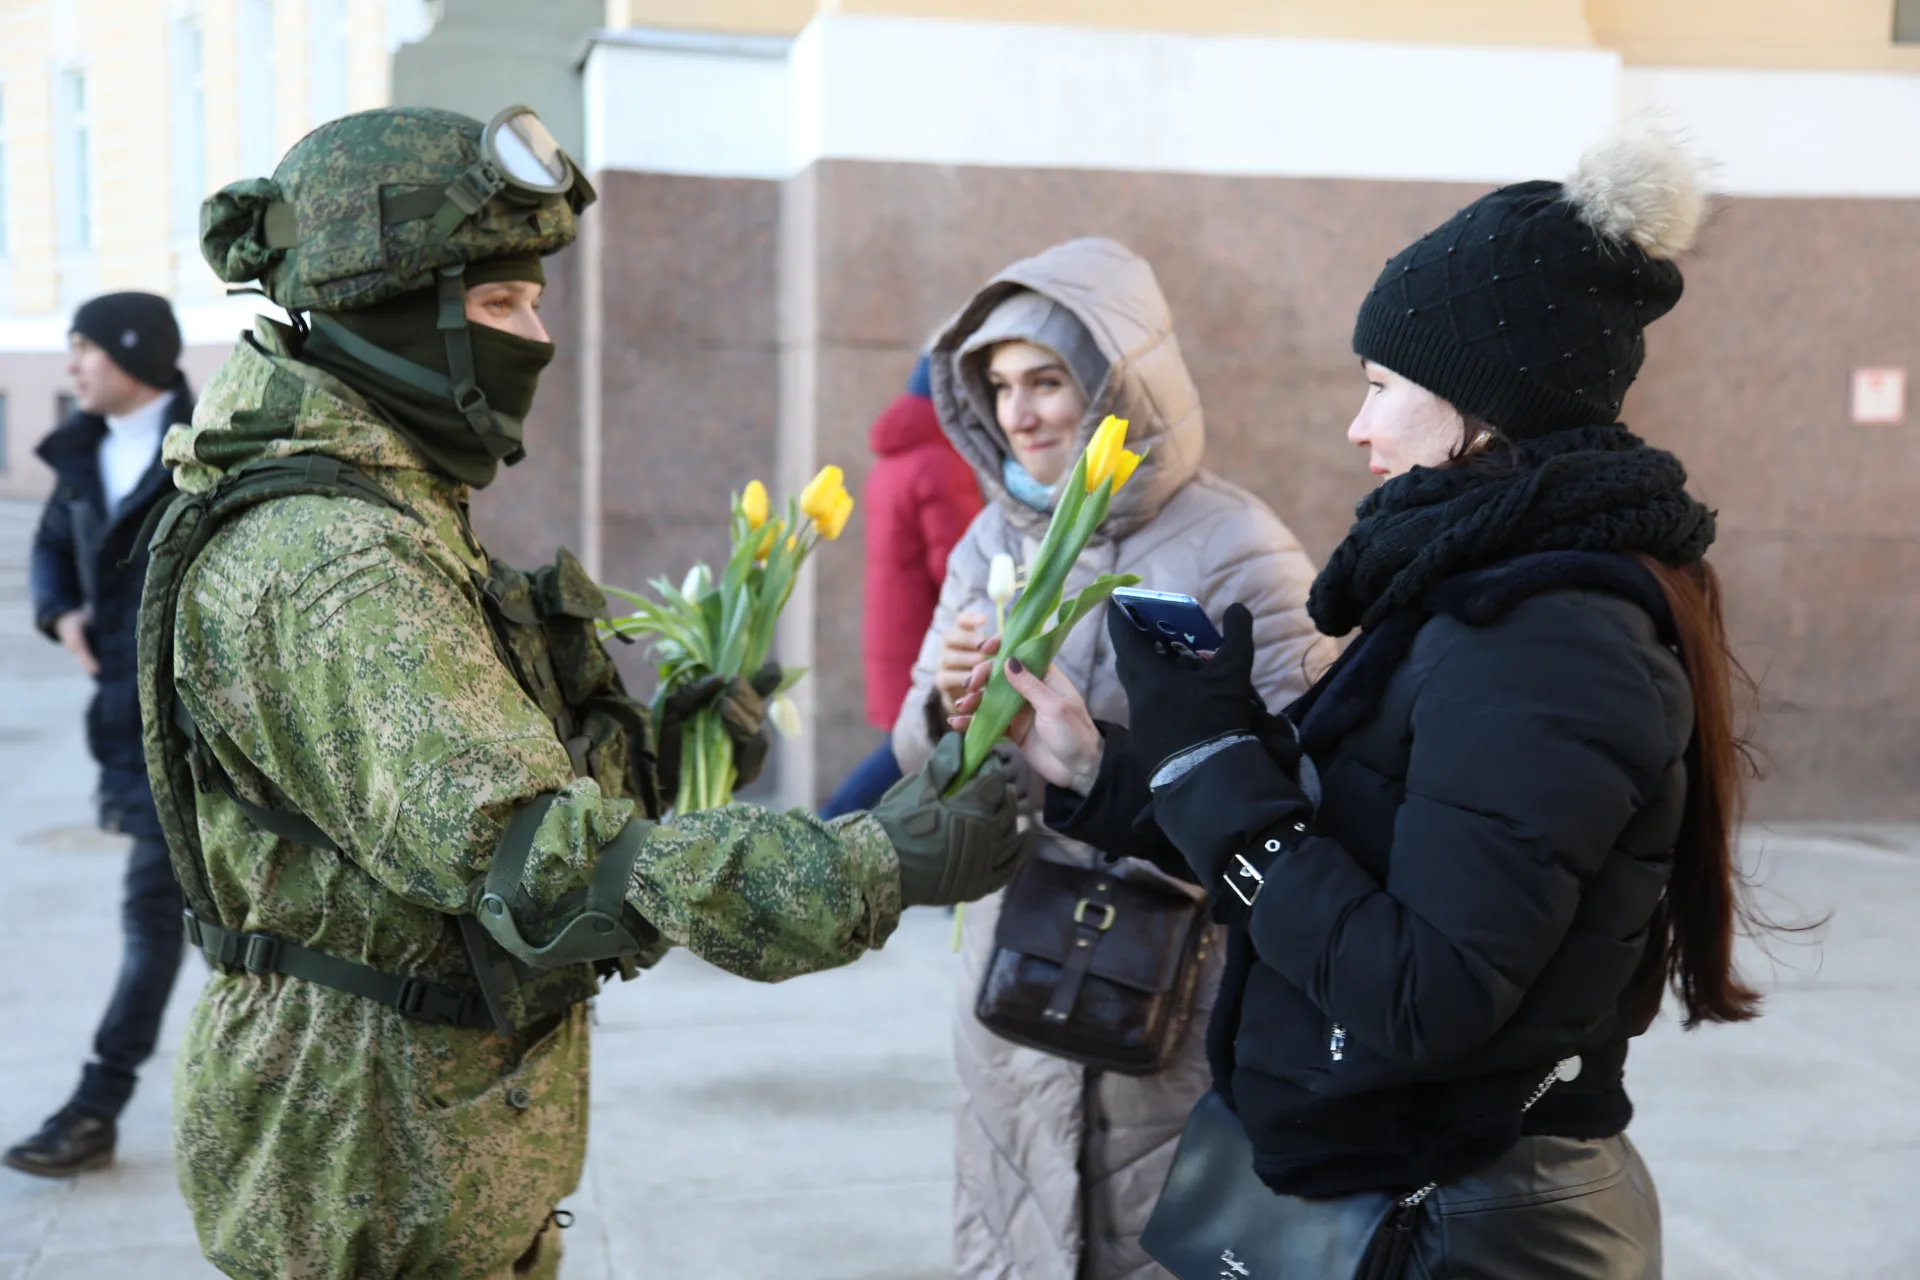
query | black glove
[1175, 702]
[1116, 816]
[1232, 816]
[743, 710]
[958, 848]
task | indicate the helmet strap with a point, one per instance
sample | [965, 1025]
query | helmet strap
[465, 388]
[467, 396]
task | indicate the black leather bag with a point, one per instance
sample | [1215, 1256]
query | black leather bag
[1216, 1218]
[1093, 966]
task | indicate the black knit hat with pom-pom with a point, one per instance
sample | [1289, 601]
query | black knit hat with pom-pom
[1527, 309]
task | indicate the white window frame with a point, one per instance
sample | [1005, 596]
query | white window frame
[73, 161]
[329, 61]
[255, 45]
[5, 203]
[187, 92]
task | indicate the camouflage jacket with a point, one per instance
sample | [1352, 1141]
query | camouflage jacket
[337, 660]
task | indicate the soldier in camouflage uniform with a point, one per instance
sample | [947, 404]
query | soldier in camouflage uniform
[411, 806]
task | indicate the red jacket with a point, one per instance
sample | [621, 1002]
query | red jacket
[920, 498]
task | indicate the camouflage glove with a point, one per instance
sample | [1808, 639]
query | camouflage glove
[959, 848]
[743, 710]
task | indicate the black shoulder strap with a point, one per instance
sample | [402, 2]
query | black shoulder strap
[179, 760]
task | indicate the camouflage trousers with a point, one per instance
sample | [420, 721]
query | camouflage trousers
[541, 1261]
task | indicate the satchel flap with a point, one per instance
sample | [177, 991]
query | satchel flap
[1143, 947]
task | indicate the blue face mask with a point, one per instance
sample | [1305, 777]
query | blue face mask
[1021, 484]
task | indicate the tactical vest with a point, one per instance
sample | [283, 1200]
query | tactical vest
[542, 626]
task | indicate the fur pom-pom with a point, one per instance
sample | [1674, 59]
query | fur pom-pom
[1640, 186]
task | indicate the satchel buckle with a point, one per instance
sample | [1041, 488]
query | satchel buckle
[1247, 872]
[1106, 922]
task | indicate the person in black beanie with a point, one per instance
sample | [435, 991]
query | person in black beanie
[86, 578]
[1502, 828]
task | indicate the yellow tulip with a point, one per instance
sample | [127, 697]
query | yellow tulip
[1107, 453]
[1124, 467]
[753, 504]
[836, 519]
[768, 534]
[822, 493]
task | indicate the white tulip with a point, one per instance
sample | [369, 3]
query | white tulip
[1000, 579]
[785, 714]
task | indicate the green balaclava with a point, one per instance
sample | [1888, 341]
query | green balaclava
[506, 370]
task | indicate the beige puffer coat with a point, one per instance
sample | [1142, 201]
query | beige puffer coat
[1057, 1166]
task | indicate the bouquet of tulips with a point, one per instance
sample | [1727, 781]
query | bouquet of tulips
[724, 626]
[1040, 620]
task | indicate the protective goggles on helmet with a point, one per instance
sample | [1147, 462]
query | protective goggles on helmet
[519, 161]
[525, 154]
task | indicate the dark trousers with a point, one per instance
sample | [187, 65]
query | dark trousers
[151, 930]
[863, 787]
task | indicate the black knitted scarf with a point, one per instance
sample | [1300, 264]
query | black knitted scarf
[1587, 489]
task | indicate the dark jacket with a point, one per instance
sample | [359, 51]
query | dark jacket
[77, 562]
[1473, 899]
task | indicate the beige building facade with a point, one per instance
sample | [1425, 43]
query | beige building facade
[795, 193]
[117, 117]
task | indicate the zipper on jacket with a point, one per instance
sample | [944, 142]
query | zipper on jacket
[1337, 1043]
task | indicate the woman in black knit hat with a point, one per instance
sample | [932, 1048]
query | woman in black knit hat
[1502, 829]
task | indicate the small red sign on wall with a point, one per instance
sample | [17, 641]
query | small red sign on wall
[1879, 395]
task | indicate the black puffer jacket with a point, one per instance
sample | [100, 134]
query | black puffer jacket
[1502, 791]
[84, 556]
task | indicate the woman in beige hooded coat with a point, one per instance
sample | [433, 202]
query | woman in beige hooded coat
[1057, 1165]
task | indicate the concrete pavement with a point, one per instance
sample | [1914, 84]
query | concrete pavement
[803, 1131]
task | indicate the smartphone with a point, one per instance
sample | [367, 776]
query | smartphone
[1177, 619]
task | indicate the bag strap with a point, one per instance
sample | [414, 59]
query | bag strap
[1392, 1242]
[1561, 1071]
[258, 953]
[1093, 915]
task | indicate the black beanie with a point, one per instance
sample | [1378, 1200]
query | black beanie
[1527, 308]
[137, 331]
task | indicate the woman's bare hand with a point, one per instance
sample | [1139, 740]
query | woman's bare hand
[1054, 731]
[961, 650]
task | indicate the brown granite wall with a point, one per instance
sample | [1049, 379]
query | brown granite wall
[1820, 550]
[690, 372]
[1747, 381]
[533, 508]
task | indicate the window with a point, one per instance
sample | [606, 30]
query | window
[3, 212]
[3, 433]
[73, 178]
[1906, 22]
[189, 127]
[259, 108]
[327, 59]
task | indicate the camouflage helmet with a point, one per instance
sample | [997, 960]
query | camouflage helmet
[379, 203]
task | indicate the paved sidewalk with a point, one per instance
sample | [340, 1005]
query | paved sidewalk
[803, 1131]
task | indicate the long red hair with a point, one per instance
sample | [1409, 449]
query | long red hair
[1707, 904]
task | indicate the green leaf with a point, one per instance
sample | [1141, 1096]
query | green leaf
[1091, 597]
[789, 677]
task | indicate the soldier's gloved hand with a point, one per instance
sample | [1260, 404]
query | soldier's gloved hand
[743, 710]
[958, 848]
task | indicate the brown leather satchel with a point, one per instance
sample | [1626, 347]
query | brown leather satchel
[1093, 966]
